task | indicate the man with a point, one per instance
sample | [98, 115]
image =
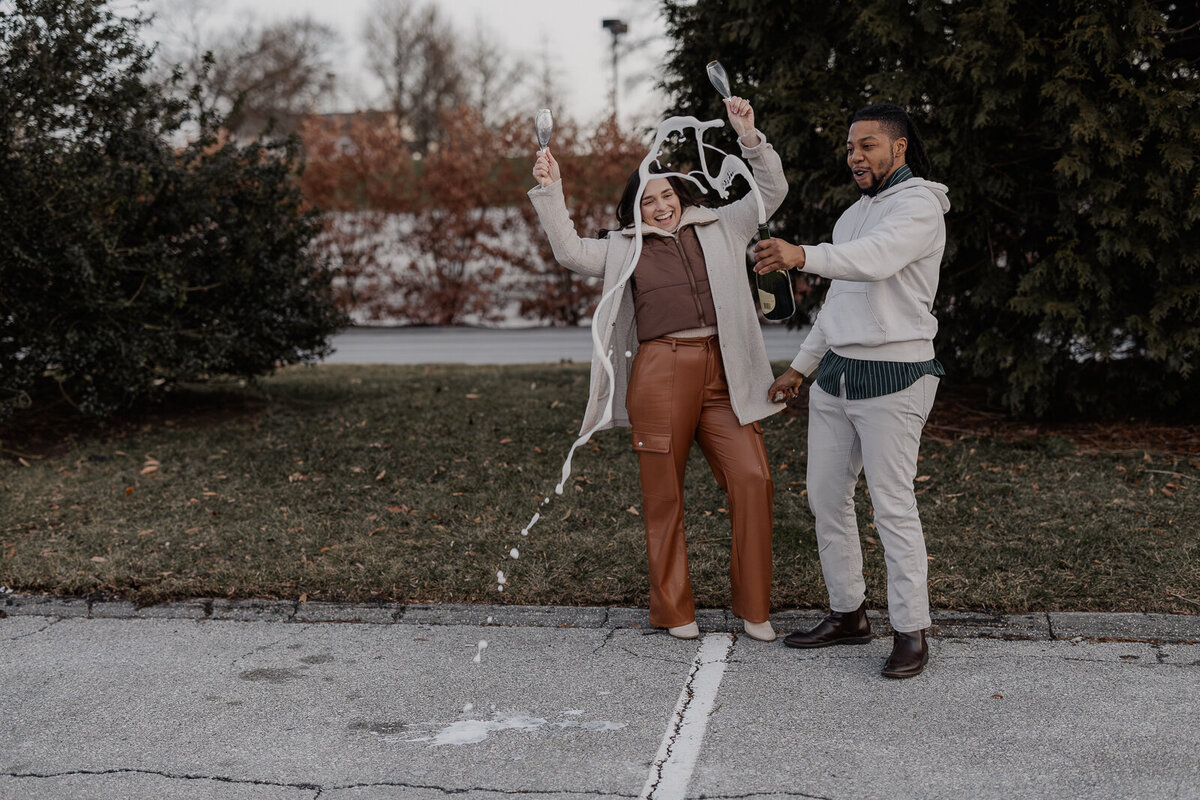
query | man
[871, 346]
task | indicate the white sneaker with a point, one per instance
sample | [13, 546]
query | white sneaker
[689, 631]
[759, 630]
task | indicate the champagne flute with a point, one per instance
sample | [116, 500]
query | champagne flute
[719, 78]
[544, 124]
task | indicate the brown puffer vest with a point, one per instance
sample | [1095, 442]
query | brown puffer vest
[670, 285]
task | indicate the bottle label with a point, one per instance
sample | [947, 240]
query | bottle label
[766, 301]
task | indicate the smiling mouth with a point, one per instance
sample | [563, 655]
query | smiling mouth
[665, 217]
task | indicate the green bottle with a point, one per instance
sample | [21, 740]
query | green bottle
[775, 297]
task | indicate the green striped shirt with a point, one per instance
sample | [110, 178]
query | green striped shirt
[866, 379]
[901, 174]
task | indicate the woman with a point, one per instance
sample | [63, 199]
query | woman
[700, 372]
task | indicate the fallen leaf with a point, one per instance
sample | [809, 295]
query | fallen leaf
[922, 478]
[304, 597]
[633, 510]
[505, 441]
[149, 469]
[128, 490]
[99, 559]
[24, 463]
[997, 697]
[472, 397]
[564, 516]
[379, 477]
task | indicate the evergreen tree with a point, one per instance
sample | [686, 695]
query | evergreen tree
[1068, 134]
[128, 264]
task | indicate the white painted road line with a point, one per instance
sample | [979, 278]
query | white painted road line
[671, 771]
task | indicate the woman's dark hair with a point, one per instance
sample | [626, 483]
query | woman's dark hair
[899, 125]
[627, 212]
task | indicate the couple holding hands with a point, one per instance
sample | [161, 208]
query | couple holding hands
[689, 364]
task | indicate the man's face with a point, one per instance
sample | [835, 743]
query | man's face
[872, 155]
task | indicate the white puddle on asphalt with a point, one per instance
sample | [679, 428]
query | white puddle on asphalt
[471, 731]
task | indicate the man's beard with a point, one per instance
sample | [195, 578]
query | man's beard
[878, 181]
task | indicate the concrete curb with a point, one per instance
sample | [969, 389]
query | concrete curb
[1048, 626]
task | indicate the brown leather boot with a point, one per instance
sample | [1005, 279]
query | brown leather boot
[838, 627]
[909, 656]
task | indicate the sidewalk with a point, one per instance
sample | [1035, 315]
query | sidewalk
[414, 345]
[218, 699]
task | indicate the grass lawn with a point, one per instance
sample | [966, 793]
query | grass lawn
[414, 484]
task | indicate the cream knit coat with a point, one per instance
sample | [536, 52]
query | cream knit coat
[723, 234]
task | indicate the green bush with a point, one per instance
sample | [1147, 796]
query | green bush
[127, 262]
[1068, 134]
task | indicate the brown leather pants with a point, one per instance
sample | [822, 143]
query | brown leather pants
[677, 394]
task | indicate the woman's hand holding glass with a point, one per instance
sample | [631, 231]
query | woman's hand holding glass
[741, 117]
[545, 169]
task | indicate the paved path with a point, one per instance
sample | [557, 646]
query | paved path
[497, 346]
[287, 701]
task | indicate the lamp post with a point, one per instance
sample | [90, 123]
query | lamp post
[616, 27]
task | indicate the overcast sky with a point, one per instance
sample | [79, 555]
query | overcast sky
[568, 31]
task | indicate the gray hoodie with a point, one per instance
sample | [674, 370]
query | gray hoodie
[884, 262]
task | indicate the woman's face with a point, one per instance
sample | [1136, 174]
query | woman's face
[660, 205]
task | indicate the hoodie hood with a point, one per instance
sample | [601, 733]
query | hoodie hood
[939, 190]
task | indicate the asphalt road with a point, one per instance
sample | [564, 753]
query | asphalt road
[212, 699]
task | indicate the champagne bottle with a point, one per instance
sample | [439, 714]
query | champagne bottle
[775, 296]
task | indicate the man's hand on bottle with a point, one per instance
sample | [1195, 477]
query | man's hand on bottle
[776, 254]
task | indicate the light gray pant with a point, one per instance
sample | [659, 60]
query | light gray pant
[882, 436]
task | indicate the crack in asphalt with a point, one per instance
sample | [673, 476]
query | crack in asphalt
[645, 657]
[169, 775]
[682, 708]
[50, 624]
[465, 789]
[670, 747]
[313, 787]
[608, 637]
